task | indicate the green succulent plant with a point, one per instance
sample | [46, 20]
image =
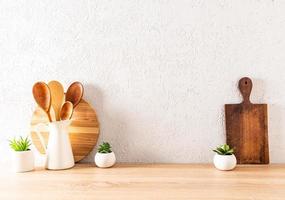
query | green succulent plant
[105, 147]
[21, 144]
[224, 150]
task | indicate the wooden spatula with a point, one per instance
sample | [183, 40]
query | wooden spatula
[42, 96]
[246, 128]
[66, 111]
[57, 97]
[74, 93]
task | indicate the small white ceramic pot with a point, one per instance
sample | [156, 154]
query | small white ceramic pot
[225, 162]
[23, 161]
[105, 160]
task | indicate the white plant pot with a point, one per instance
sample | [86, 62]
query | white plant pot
[23, 161]
[105, 160]
[225, 162]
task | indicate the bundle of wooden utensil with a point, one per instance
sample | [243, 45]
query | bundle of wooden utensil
[51, 97]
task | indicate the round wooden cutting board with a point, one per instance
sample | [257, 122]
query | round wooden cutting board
[83, 131]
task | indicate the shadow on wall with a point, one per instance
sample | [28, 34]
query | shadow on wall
[275, 133]
[94, 97]
[258, 91]
[114, 128]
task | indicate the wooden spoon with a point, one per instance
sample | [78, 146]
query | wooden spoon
[74, 93]
[57, 97]
[66, 111]
[42, 96]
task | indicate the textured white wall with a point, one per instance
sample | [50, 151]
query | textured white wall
[158, 72]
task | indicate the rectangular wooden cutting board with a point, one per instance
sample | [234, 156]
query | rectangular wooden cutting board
[246, 128]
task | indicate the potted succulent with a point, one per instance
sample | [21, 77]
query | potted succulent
[224, 158]
[23, 157]
[105, 157]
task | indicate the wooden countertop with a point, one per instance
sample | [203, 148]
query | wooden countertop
[145, 181]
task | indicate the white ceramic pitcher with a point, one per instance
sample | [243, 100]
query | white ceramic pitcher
[58, 150]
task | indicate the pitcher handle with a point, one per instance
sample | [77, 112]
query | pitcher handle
[40, 136]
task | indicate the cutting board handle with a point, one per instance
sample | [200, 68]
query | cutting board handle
[245, 87]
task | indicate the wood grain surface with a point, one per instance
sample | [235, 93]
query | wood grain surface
[84, 130]
[146, 182]
[246, 128]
